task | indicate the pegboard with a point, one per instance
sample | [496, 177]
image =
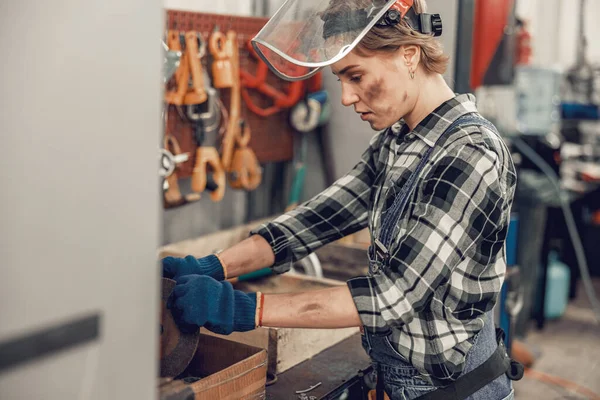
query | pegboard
[272, 137]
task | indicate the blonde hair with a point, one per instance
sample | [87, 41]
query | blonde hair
[390, 39]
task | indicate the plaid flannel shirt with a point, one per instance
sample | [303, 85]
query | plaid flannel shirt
[447, 262]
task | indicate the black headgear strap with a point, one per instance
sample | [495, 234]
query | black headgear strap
[428, 24]
[348, 21]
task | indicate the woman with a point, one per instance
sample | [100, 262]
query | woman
[435, 188]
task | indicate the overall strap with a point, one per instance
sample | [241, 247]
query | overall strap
[393, 214]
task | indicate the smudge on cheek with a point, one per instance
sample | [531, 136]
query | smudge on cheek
[405, 96]
[374, 90]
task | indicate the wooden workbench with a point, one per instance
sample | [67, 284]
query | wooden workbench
[332, 367]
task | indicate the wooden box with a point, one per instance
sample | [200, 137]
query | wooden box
[228, 370]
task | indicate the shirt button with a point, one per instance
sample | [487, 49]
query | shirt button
[409, 137]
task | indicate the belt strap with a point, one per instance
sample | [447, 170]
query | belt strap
[497, 364]
[379, 388]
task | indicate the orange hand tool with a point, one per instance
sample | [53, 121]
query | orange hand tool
[222, 48]
[182, 75]
[198, 94]
[226, 61]
[281, 100]
[208, 160]
[245, 173]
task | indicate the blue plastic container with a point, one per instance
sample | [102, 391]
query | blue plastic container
[512, 240]
[511, 261]
[558, 278]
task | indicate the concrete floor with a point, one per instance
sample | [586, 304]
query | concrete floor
[568, 348]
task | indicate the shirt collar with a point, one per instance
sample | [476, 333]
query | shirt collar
[433, 125]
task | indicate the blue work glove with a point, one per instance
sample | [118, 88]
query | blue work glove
[175, 268]
[201, 301]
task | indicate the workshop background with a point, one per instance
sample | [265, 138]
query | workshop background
[91, 101]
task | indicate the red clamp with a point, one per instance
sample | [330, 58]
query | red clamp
[281, 100]
[402, 6]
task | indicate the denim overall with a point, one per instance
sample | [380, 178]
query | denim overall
[401, 380]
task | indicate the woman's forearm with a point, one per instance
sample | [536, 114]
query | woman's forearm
[249, 255]
[328, 308]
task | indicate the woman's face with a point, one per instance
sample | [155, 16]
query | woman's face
[379, 86]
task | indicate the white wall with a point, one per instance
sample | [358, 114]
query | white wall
[79, 120]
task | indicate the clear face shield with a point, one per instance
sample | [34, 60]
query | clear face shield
[305, 36]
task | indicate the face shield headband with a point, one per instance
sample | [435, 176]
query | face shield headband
[301, 38]
[428, 24]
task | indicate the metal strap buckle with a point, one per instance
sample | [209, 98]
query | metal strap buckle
[381, 251]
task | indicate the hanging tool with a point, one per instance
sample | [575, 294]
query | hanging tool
[172, 157]
[237, 158]
[190, 69]
[182, 75]
[245, 172]
[310, 113]
[195, 50]
[206, 116]
[192, 98]
[258, 82]
[208, 173]
[222, 49]
[172, 193]
[168, 163]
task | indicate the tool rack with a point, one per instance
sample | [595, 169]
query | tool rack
[272, 137]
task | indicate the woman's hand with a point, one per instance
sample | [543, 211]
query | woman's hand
[249, 255]
[201, 301]
[175, 268]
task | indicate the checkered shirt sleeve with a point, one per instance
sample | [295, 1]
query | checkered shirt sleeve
[338, 211]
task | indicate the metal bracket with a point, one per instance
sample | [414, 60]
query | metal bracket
[168, 162]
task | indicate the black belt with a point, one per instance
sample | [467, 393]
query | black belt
[497, 364]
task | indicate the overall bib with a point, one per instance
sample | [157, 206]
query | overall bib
[401, 380]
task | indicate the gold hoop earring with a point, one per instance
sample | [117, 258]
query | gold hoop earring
[412, 74]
